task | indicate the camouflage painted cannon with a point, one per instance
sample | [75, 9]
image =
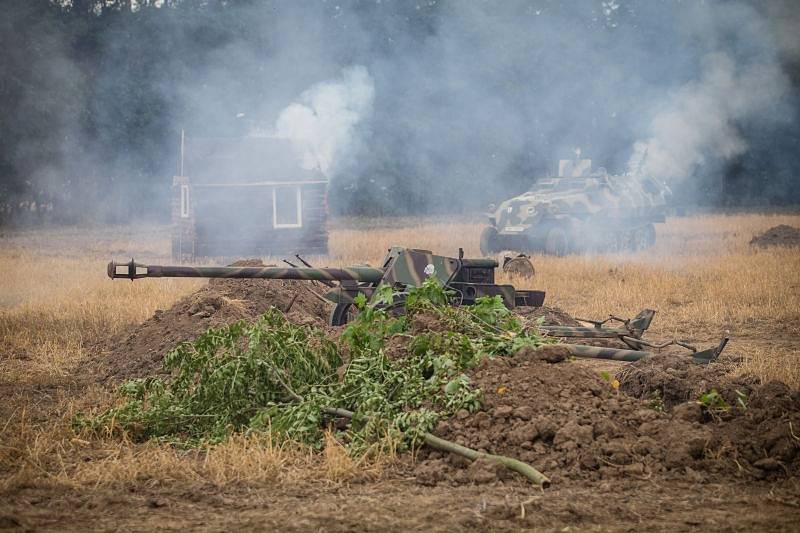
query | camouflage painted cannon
[467, 279]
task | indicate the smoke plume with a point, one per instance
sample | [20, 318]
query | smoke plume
[323, 122]
[699, 124]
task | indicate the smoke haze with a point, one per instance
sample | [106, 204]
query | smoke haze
[408, 107]
[322, 123]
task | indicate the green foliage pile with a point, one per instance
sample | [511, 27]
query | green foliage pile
[276, 376]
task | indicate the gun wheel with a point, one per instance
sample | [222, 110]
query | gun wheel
[650, 232]
[643, 238]
[556, 242]
[342, 314]
[638, 241]
[490, 241]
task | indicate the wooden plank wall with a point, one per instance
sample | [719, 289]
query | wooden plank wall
[237, 222]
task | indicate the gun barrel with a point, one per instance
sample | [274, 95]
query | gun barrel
[133, 270]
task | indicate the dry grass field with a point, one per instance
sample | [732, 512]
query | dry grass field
[702, 277]
[56, 304]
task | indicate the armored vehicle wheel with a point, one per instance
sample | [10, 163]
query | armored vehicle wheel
[624, 242]
[639, 240]
[650, 231]
[556, 242]
[490, 241]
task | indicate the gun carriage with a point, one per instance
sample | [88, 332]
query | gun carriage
[467, 279]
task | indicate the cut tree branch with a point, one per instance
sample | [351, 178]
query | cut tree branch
[445, 445]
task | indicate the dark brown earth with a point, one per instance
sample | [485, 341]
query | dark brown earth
[782, 235]
[675, 379]
[399, 503]
[636, 454]
[540, 407]
[569, 422]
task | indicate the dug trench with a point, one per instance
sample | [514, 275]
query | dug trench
[641, 444]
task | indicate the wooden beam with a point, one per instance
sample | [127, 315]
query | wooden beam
[259, 184]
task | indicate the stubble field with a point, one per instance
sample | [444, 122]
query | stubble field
[57, 307]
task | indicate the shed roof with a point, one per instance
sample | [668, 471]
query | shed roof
[243, 160]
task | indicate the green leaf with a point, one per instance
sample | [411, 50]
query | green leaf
[360, 300]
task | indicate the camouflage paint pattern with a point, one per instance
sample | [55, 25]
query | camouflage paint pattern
[632, 329]
[346, 295]
[469, 279]
[613, 197]
[597, 352]
[618, 354]
[135, 271]
[411, 267]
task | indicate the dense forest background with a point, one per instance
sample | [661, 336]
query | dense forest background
[472, 100]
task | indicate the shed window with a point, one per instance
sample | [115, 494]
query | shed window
[287, 207]
[184, 201]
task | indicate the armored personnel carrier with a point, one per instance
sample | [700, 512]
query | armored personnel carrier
[579, 211]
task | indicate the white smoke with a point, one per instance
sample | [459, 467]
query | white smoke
[698, 124]
[323, 122]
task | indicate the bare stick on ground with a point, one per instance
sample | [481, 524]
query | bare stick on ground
[445, 445]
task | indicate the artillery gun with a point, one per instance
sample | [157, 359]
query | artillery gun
[402, 268]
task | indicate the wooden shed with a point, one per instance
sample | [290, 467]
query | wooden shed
[246, 197]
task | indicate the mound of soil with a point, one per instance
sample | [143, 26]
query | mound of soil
[675, 379]
[572, 424]
[782, 235]
[139, 353]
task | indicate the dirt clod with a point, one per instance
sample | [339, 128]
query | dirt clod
[539, 406]
[552, 353]
[672, 379]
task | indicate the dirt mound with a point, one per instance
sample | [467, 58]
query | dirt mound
[782, 235]
[572, 424]
[673, 379]
[223, 301]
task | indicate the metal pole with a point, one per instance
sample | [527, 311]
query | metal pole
[183, 137]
